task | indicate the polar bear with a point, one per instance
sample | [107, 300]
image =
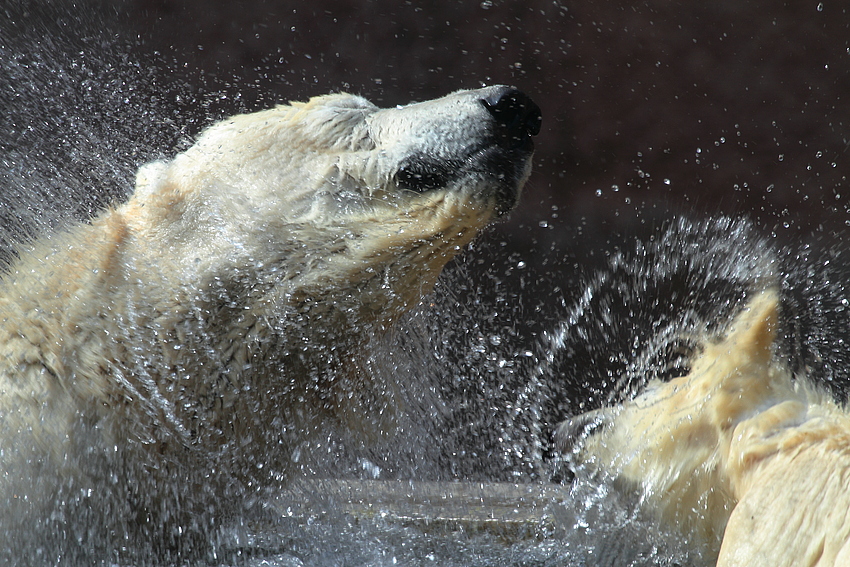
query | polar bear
[160, 364]
[751, 464]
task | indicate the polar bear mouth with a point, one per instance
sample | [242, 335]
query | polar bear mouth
[501, 172]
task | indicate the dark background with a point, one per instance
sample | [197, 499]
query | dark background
[652, 110]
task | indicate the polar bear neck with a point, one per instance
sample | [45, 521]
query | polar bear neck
[303, 317]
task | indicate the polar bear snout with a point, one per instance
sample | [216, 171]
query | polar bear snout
[517, 115]
[476, 142]
[507, 154]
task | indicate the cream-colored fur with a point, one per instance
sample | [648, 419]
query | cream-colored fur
[160, 365]
[748, 463]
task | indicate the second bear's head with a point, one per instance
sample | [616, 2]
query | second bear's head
[359, 189]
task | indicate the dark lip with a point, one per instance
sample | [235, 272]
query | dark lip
[484, 152]
[502, 166]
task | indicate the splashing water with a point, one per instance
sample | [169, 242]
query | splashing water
[479, 398]
[634, 320]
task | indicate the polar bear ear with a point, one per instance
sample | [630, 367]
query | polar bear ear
[148, 177]
[336, 121]
[756, 326]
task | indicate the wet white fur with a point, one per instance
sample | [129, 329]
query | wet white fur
[750, 465]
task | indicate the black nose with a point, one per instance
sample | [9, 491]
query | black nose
[516, 113]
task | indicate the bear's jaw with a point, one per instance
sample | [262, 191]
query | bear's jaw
[486, 172]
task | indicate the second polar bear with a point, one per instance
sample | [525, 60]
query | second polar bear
[744, 460]
[160, 365]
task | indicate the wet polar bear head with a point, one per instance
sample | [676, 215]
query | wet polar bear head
[162, 364]
[342, 194]
[748, 463]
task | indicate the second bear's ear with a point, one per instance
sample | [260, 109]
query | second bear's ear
[754, 329]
